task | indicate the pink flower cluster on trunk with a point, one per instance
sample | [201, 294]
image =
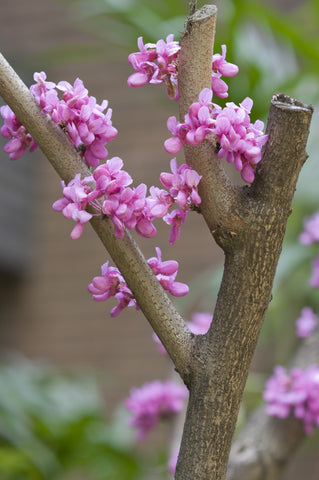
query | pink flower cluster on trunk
[158, 63]
[240, 141]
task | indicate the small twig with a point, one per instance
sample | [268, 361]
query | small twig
[192, 7]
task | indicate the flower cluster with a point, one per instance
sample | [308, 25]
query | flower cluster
[158, 63]
[13, 130]
[306, 323]
[240, 141]
[130, 207]
[314, 278]
[309, 236]
[112, 284]
[198, 124]
[295, 392]
[222, 68]
[77, 113]
[310, 233]
[74, 202]
[182, 185]
[155, 63]
[153, 402]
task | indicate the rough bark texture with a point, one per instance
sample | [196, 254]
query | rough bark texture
[266, 444]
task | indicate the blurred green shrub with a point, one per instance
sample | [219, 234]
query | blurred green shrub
[53, 426]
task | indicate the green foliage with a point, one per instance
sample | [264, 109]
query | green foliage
[53, 426]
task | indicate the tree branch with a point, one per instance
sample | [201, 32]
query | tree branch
[266, 444]
[219, 196]
[287, 118]
[222, 357]
[149, 294]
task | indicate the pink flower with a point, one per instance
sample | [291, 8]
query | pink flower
[176, 219]
[166, 273]
[306, 323]
[198, 123]
[74, 202]
[110, 178]
[240, 141]
[173, 462]
[19, 139]
[112, 284]
[155, 63]
[77, 113]
[314, 279]
[296, 392]
[128, 208]
[159, 202]
[182, 184]
[311, 230]
[153, 402]
[200, 322]
[221, 67]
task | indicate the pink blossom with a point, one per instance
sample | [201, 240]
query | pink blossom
[197, 124]
[311, 230]
[176, 219]
[173, 462]
[222, 67]
[306, 323]
[153, 402]
[13, 130]
[110, 178]
[128, 208]
[112, 284]
[166, 273]
[74, 202]
[44, 92]
[159, 202]
[296, 392]
[155, 63]
[240, 141]
[182, 184]
[88, 128]
[200, 322]
[314, 279]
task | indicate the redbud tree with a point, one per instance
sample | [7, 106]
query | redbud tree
[247, 221]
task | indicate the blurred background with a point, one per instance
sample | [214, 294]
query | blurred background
[66, 366]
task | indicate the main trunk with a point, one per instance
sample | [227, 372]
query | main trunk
[222, 357]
